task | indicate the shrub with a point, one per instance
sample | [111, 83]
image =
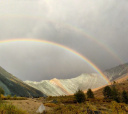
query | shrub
[2, 96]
[8, 96]
[80, 96]
[14, 97]
[90, 94]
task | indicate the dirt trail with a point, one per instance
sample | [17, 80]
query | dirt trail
[29, 105]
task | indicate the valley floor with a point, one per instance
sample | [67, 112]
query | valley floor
[66, 105]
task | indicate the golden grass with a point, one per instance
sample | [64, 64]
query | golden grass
[30, 105]
[10, 109]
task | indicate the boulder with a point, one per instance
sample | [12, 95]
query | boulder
[41, 109]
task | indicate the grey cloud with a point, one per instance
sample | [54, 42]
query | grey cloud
[66, 22]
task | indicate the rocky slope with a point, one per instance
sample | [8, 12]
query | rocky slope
[56, 87]
[14, 86]
[117, 72]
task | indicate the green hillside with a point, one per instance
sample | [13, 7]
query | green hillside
[14, 86]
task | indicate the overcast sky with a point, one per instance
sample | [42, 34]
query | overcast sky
[98, 29]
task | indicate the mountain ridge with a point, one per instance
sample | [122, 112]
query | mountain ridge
[14, 86]
[68, 86]
[117, 72]
[84, 81]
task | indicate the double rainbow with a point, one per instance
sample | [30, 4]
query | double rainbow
[63, 47]
[74, 28]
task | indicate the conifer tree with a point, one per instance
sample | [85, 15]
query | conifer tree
[90, 94]
[115, 94]
[107, 92]
[125, 97]
[80, 96]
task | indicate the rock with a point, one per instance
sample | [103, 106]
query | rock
[41, 109]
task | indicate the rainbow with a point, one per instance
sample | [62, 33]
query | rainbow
[63, 47]
[79, 30]
[101, 44]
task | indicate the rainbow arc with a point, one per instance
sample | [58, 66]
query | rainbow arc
[91, 64]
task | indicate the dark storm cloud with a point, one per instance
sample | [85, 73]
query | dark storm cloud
[104, 20]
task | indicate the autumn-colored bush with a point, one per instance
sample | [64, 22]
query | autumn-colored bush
[118, 108]
[2, 96]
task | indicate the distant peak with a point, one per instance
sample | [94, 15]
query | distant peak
[53, 79]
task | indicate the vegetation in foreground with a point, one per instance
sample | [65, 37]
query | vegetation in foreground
[6, 108]
[114, 102]
[68, 105]
[9, 97]
[10, 109]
